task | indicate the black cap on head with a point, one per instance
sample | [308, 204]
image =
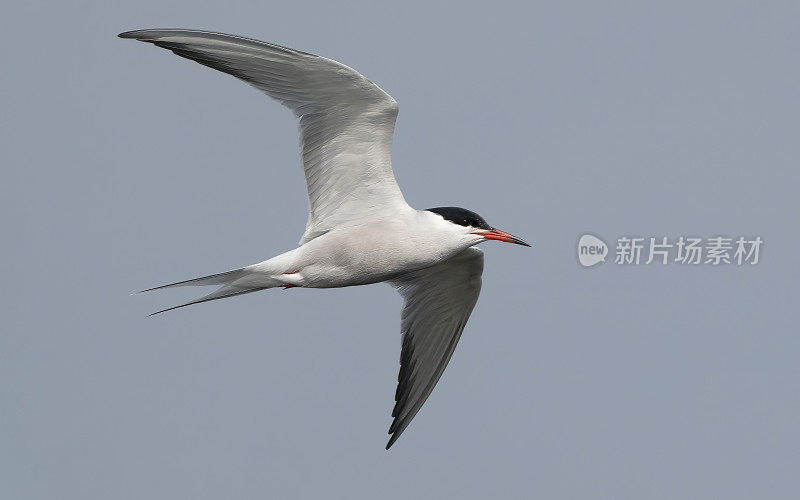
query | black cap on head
[462, 217]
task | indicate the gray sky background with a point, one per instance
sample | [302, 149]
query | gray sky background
[127, 167]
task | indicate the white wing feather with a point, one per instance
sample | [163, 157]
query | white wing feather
[438, 302]
[346, 121]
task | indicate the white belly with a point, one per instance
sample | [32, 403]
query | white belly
[375, 252]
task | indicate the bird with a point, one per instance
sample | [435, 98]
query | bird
[360, 230]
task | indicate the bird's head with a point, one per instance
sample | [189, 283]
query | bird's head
[474, 225]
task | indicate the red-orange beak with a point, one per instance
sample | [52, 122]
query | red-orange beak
[496, 234]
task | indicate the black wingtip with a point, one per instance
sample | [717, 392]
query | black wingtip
[392, 439]
[146, 35]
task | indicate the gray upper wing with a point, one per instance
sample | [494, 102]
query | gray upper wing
[346, 121]
[438, 302]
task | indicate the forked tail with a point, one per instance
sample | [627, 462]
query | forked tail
[236, 282]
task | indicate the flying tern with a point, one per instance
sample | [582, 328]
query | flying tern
[360, 230]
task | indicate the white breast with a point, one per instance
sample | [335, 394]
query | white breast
[378, 251]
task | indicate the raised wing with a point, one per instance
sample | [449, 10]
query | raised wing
[346, 121]
[438, 302]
